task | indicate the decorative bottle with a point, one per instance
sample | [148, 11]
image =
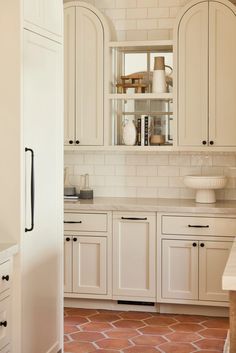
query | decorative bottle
[129, 133]
[159, 75]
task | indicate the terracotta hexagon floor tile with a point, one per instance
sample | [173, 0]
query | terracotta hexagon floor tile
[87, 336]
[214, 333]
[75, 320]
[129, 324]
[210, 344]
[160, 321]
[148, 340]
[122, 333]
[135, 315]
[194, 319]
[81, 312]
[66, 339]
[96, 326]
[187, 327]
[172, 347]
[102, 317]
[111, 343]
[107, 351]
[207, 351]
[70, 328]
[78, 347]
[183, 337]
[141, 349]
[217, 323]
[155, 330]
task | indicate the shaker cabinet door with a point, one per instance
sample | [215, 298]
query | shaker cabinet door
[89, 78]
[179, 269]
[44, 17]
[68, 264]
[192, 105]
[222, 75]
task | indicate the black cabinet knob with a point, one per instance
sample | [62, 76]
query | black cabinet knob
[74, 239]
[5, 278]
[70, 142]
[67, 239]
[204, 142]
[211, 142]
[194, 245]
[77, 142]
[202, 245]
[3, 323]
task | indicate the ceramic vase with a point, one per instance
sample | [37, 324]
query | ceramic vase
[159, 76]
[129, 133]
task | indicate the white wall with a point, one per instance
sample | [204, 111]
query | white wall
[142, 174]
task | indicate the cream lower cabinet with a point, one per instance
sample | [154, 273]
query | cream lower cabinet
[192, 270]
[134, 263]
[87, 255]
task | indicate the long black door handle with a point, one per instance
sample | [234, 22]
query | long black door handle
[32, 190]
[134, 218]
[197, 226]
[73, 222]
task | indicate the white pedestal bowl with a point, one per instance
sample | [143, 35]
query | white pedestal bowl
[205, 186]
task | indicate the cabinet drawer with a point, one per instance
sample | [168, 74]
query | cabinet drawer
[5, 276]
[4, 322]
[86, 222]
[184, 225]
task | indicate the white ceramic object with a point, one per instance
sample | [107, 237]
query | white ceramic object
[129, 133]
[205, 186]
[159, 81]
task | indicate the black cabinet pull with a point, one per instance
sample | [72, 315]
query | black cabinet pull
[134, 218]
[31, 190]
[5, 278]
[70, 142]
[77, 142]
[67, 239]
[74, 239]
[194, 245]
[73, 222]
[204, 142]
[202, 245]
[3, 323]
[197, 226]
[211, 142]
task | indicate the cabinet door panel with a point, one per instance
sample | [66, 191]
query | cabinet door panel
[43, 16]
[68, 264]
[89, 78]
[193, 76]
[5, 315]
[69, 75]
[134, 257]
[222, 75]
[179, 269]
[90, 265]
[212, 261]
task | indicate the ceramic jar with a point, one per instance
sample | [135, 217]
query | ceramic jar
[129, 133]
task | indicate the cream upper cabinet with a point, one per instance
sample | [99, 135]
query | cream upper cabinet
[134, 256]
[86, 36]
[206, 81]
[44, 17]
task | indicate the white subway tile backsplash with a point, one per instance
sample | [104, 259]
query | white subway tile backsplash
[105, 4]
[176, 182]
[147, 24]
[146, 171]
[180, 159]
[169, 193]
[137, 35]
[125, 24]
[104, 170]
[116, 159]
[168, 171]
[159, 34]
[126, 170]
[136, 13]
[147, 3]
[126, 4]
[157, 181]
[115, 14]
[147, 192]
[162, 159]
[190, 171]
[158, 12]
[136, 159]
[94, 159]
[223, 160]
[136, 181]
[83, 169]
[168, 3]
[166, 23]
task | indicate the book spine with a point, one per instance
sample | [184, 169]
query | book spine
[139, 131]
[146, 131]
[142, 130]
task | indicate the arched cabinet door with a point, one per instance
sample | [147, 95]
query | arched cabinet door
[89, 77]
[192, 76]
[222, 74]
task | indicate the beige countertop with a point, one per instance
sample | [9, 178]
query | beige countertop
[150, 205]
[7, 250]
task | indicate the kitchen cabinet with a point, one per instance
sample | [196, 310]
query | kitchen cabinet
[193, 269]
[87, 251]
[86, 36]
[44, 17]
[134, 239]
[206, 82]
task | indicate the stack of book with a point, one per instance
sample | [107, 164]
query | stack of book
[143, 130]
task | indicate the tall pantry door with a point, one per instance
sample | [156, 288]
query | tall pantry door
[42, 284]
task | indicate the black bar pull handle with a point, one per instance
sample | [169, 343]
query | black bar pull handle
[32, 190]
[198, 226]
[73, 222]
[134, 218]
